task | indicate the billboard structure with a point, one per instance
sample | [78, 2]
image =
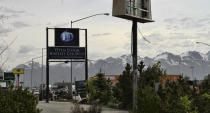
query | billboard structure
[136, 11]
[139, 10]
[66, 49]
[18, 71]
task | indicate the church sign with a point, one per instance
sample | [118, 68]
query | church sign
[66, 53]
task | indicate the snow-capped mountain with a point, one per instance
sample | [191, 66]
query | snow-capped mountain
[193, 64]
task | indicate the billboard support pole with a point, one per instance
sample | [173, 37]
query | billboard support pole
[47, 68]
[86, 56]
[18, 79]
[134, 55]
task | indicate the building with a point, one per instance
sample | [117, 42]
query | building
[170, 78]
[113, 78]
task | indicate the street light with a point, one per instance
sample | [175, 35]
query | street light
[42, 75]
[86, 62]
[32, 61]
[203, 43]
[107, 14]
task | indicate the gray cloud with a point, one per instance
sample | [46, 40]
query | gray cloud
[170, 20]
[186, 23]
[103, 34]
[112, 48]
[24, 49]
[11, 13]
[3, 17]
[9, 10]
[4, 31]
[19, 24]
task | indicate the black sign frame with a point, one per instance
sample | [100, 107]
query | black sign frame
[53, 60]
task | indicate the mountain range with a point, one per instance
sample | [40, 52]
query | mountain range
[193, 64]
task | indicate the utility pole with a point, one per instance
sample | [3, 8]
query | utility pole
[47, 68]
[32, 63]
[192, 67]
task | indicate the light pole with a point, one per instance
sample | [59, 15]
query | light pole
[86, 60]
[32, 62]
[107, 14]
[24, 67]
[203, 43]
[42, 75]
[70, 76]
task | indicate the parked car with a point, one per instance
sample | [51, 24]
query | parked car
[36, 92]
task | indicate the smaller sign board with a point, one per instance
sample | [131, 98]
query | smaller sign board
[66, 37]
[80, 86]
[1, 77]
[9, 76]
[18, 71]
[66, 52]
[3, 84]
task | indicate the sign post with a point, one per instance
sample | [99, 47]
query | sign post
[18, 75]
[18, 71]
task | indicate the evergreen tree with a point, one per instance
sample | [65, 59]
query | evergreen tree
[173, 95]
[99, 89]
[123, 89]
[151, 75]
[181, 105]
[141, 67]
[202, 102]
[147, 101]
[206, 85]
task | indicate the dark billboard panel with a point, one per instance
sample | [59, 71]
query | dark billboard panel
[66, 53]
[80, 86]
[66, 37]
[9, 76]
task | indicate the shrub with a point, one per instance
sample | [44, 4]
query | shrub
[18, 101]
[92, 109]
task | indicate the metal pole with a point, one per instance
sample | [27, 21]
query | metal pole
[32, 63]
[24, 76]
[42, 77]
[47, 69]
[71, 80]
[71, 70]
[90, 17]
[134, 55]
[86, 56]
[18, 79]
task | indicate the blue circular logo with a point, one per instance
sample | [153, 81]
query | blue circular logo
[66, 36]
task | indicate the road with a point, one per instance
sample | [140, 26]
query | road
[65, 107]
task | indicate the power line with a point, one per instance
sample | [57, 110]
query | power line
[8, 46]
[143, 36]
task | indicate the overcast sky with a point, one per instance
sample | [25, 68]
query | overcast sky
[178, 25]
